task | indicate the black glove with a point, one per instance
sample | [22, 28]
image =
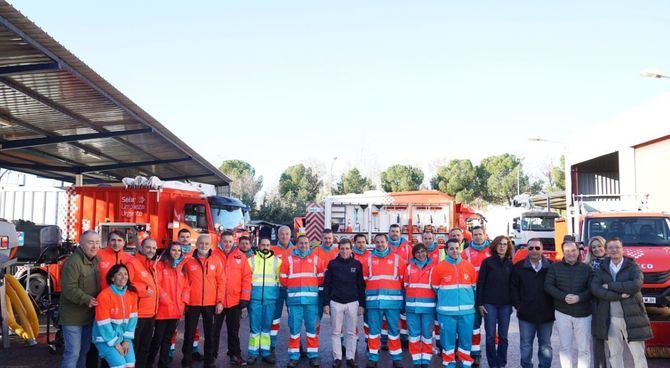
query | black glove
[244, 304]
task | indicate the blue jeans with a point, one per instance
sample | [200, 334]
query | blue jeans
[527, 332]
[497, 320]
[77, 342]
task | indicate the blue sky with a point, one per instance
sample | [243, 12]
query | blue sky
[371, 82]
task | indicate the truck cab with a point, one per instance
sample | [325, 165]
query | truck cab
[534, 224]
[646, 238]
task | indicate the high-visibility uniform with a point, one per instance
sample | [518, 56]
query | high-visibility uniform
[362, 256]
[394, 244]
[383, 274]
[146, 280]
[108, 258]
[174, 291]
[238, 276]
[280, 251]
[115, 322]
[301, 275]
[325, 255]
[264, 293]
[206, 280]
[420, 309]
[476, 257]
[454, 283]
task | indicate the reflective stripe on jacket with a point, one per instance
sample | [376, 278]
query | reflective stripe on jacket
[383, 281]
[115, 317]
[206, 279]
[238, 276]
[144, 279]
[173, 290]
[264, 277]
[302, 278]
[419, 294]
[454, 285]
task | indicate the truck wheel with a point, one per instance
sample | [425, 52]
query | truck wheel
[38, 286]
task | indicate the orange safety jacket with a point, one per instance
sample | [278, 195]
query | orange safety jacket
[145, 280]
[302, 276]
[115, 316]
[419, 294]
[206, 279]
[238, 276]
[173, 288]
[108, 258]
[476, 257]
[383, 273]
[281, 252]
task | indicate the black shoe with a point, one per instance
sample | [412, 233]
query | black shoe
[351, 363]
[270, 359]
[314, 362]
[252, 360]
[337, 363]
[292, 363]
[197, 356]
[237, 360]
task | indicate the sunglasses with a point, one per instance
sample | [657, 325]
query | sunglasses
[534, 248]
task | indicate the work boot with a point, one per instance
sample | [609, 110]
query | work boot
[337, 363]
[237, 360]
[197, 356]
[314, 362]
[292, 363]
[252, 361]
[270, 359]
[351, 363]
[476, 361]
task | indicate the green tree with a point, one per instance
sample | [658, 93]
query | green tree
[353, 182]
[273, 209]
[504, 177]
[557, 176]
[399, 178]
[245, 184]
[298, 185]
[458, 179]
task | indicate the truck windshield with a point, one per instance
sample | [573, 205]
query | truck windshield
[537, 224]
[632, 230]
[228, 217]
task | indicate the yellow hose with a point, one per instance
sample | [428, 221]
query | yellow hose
[11, 321]
[27, 303]
[20, 313]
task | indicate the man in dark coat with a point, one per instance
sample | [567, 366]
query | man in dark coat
[534, 307]
[620, 316]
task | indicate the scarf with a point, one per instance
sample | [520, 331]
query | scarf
[453, 261]
[379, 254]
[290, 244]
[176, 262]
[432, 247]
[117, 290]
[301, 254]
[358, 251]
[479, 247]
[420, 264]
[396, 243]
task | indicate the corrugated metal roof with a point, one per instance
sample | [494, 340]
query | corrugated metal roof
[58, 118]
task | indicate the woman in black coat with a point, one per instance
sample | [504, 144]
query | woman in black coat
[494, 300]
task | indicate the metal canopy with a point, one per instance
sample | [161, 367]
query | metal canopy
[59, 119]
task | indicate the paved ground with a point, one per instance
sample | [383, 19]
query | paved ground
[39, 356]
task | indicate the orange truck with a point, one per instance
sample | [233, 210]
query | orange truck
[139, 212]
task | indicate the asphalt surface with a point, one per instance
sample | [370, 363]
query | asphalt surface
[39, 356]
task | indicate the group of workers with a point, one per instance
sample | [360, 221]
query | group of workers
[130, 306]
